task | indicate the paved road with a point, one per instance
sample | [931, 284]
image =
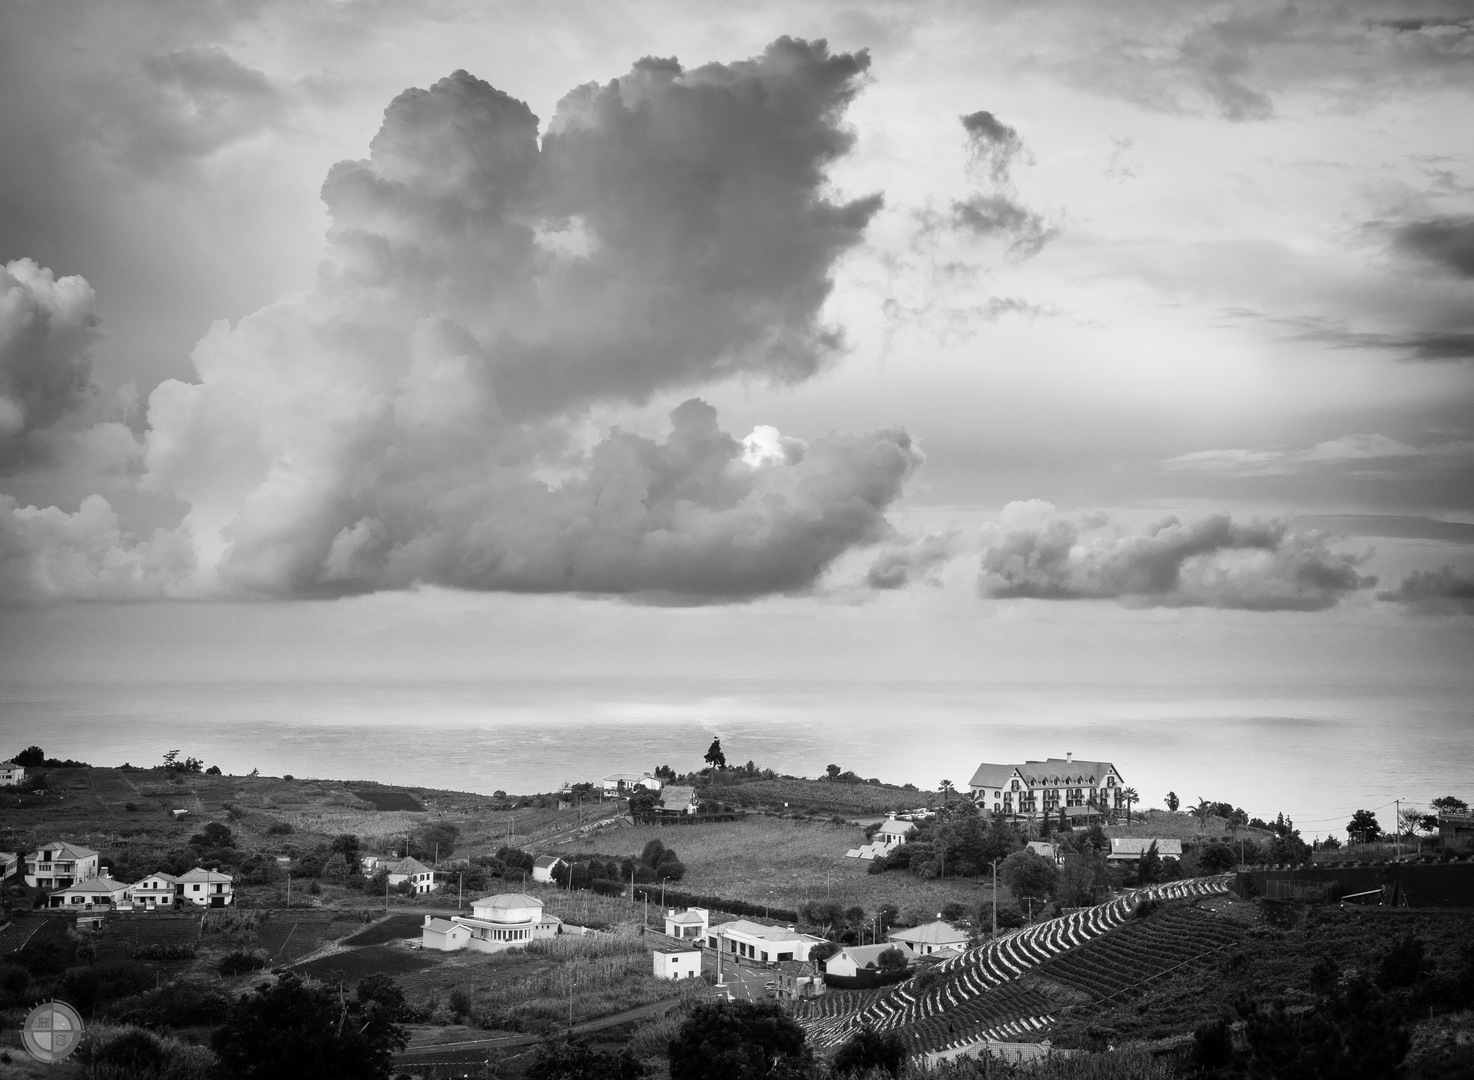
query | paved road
[742, 983]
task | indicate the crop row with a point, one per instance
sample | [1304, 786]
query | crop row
[353, 965]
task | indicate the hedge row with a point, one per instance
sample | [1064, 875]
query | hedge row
[716, 903]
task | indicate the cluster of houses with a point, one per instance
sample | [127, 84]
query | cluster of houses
[74, 879]
[674, 798]
[788, 953]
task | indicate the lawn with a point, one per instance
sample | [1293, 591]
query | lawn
[783, 862]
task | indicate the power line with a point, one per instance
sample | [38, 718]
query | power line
[1346, 815]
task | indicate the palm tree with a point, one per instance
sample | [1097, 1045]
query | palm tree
[945, 786]
[1131, 797]
[1203, 811]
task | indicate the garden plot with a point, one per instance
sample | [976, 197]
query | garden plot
[392, 928]
[122, 935]
[288, 935]
[352, 965]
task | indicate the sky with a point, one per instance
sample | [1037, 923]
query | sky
[888, 341]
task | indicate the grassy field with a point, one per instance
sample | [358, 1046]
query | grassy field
[822, 795]
[784, 862]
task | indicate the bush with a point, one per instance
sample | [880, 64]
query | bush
[279, 828]
[178, 1003]
[869, 1050]
[241, 961]
[164, 952]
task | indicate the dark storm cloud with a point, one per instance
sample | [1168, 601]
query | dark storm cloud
[1213, 562]
[1446, 241]
[1445, 591]
[422, 417]
[184, 104]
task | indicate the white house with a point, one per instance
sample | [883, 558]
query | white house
[545, 866]
[622, 783]
[55, 866]
[100, 891]
[11, 774]
[760, 942]
[504, 921]
[420, 877]
[1132, 848]
[1044, 787]
[929, 937]
[9, 865]
[369, 864]
[1045, 850]
[850, 961]
[677, 963]
[688, 925]
[676, 799]
[206, 888]
[894, 831]
[155, 891]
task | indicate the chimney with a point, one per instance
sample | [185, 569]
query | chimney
[1069, 755]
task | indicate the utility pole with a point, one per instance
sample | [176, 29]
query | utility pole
[460, 887]
[995, 898]
[386, 894]
[289, 888]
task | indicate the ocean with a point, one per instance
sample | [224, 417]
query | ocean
[1312, 753]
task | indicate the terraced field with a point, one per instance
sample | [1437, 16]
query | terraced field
[984, 993]
[289, 935]
[14, 937]
[392, 928]
[1142, 950]
[122, 934]
[351, 965]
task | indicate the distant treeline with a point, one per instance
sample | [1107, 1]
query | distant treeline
[715, 903]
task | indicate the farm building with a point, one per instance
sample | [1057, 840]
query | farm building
[1455, 826]
[206, 888]
[420, 877]
[11, 774]
[688, 924]
[800, 979]
[859, 967]
[760, 942]
[929, 937]
[1047, 787]
[676, 799]
[894, 831]
[545, 866]
[55, 866]
[100, 891]
[1133, 848]
[496, 922]
[677, 963]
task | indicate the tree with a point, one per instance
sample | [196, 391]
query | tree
[892, 959]
[1203, 811]
[643, 801]
[1130, 797]
[714, 756]
[1217, 859]
[214, 835]
[739, 1040]
[297, 1028]
[823, 951]
[1173, 802]
[1082, 879]
[1028, 876]
[867, 1050]
[433, 839]
[31, 757]
[945, 787]
[336, 868]
[348, 845]
[1363, 827]
[664, 772]
[1149, 866]
[574, 1059]
[213, 770]
[1448, 804]
[833, 771]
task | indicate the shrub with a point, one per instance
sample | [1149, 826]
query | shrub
[869, 1050]
[241, 961]
[279, 828]
[178, 1003]
[175, 951]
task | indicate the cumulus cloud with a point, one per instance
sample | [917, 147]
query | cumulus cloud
[1033, 552]
[899, 565]
[995, 211]
[1446, 241]
[1445, 591]
[423, 414]
[47, 327]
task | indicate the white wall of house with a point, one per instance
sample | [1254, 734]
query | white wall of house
[11, 774]
[677, 963]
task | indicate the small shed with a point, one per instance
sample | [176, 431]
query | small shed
[545, 866]
[677, 962]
